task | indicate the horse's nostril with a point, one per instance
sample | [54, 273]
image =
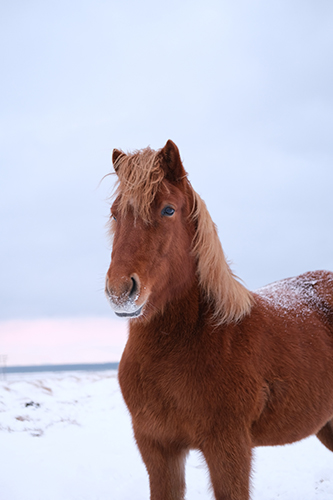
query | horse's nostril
[134, 290]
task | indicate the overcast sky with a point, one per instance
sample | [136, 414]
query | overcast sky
[245, 89]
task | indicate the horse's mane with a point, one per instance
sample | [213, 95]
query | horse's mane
[140, 175]
[231, 300]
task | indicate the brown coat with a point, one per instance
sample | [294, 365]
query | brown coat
[208, 365]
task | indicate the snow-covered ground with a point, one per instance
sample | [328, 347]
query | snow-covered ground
[68, 436]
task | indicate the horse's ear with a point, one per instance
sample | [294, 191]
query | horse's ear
[116, 155]
[171, 162]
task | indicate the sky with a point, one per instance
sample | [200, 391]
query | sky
[61, 340]
[245, 89]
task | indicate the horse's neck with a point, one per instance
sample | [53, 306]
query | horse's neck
[179, 319]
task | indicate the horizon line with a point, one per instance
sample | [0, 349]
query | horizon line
[59, 367]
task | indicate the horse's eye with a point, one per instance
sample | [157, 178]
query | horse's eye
[168, 211]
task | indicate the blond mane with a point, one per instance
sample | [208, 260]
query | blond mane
[232, 301]
[140, 175]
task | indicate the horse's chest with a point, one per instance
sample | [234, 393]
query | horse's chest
[162, 403]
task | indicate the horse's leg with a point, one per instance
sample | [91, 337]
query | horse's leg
[325, 435]
[166, 468]
[229, 465]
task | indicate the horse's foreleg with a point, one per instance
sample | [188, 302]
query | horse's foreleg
[229, 464]
[166, 468]
[325, 435]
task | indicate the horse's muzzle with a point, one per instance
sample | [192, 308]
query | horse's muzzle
[130, 315]
[123, 296]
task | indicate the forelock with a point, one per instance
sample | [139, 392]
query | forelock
[140, 175]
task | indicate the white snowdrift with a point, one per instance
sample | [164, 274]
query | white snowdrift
[68, 436]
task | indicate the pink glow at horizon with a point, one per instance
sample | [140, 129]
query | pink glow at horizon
[62, 341]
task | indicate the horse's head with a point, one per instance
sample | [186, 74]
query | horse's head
[153, 231]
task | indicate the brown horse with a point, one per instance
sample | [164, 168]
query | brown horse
[209, 365]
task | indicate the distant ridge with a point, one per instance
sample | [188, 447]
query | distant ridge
[61, 368]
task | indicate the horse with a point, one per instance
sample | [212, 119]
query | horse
[209, 365]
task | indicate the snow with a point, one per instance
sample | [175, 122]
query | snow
[68, 436]
[300, 295]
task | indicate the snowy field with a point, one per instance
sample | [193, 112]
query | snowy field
[68, 436]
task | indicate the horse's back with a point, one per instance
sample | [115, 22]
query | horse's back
[323, 288]
[302, 295]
